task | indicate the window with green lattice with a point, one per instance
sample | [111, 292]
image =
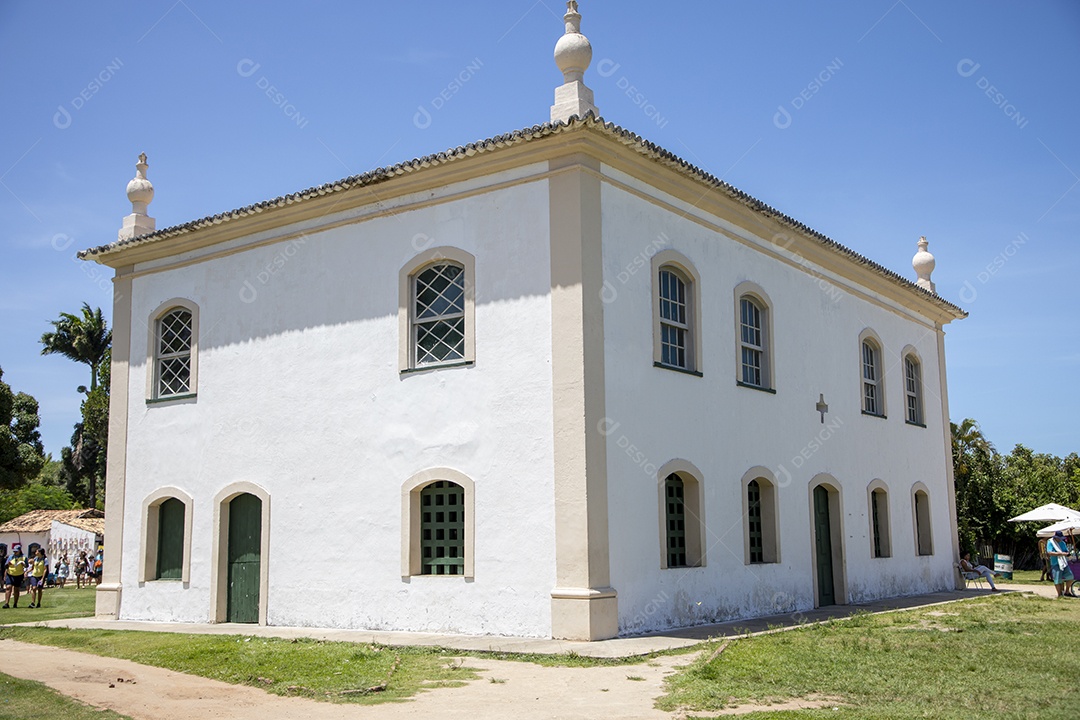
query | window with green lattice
[675, 517]
[442, 529]
[173, 361]
[170, 549]
[753, 511]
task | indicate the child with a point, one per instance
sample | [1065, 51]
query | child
[39, 569]
[62, 571]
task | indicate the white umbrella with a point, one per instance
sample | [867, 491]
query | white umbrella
[1047, 513]
[1069, 527]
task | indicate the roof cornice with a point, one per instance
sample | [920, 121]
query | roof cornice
[265, 214]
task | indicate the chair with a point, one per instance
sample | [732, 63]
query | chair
[969, 577]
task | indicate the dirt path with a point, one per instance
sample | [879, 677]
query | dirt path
[524, 690]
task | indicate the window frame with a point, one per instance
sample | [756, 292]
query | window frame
[769, 517]
[677, 263]
[151, 507]
[407, 322]
[870, 338]
[756, 295]
[922, 523]
[882, 549]
[154, 357]
[411, 525]
[693, 513]
[913, 390]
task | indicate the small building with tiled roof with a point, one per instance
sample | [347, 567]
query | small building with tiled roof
[60, 532]
[559, 382]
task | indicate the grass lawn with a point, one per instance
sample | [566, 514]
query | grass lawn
[27, 700]
[57, 604]
[337, 671]
[1027, 577]
[1007, 656]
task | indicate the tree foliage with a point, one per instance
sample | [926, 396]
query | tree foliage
[84, 339]
[992, 487]
[21, 453]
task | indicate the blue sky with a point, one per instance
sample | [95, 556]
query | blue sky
[871, 121]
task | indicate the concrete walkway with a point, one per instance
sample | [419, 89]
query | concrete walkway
[615, 648]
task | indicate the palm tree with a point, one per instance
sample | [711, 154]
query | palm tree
[83, 339]
[968, 440]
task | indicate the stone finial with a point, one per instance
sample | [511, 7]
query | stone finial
[924, 263]
[573, 53]
[140, 193]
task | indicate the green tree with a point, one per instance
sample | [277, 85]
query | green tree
[86, 339]
[83, 339]
[22, 455]
[34, 496]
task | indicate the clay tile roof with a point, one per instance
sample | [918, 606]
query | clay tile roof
[37, 521]
[493, 144]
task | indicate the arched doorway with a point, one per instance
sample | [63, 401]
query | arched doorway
[244, 559]
[827, 542]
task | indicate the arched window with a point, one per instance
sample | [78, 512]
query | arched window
[759, 509]
[753, 337]
[682, 524]
[438, 320]
[170, 547]
[676, 313]
[166, 536]
[675, 334]
[436, 310]
[872, 386]
[442, 529]
[173, 364]
[913, 389]
[880, 535]
[924, 541]
[675, 521]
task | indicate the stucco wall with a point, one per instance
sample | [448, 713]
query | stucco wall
[299, 391]
[656, 415]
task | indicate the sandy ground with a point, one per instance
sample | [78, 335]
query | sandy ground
[523, 690]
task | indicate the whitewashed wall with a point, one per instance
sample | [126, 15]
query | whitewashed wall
[299, 392]
[725, 430]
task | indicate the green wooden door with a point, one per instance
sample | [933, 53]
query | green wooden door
[823, 541]
[245, 541]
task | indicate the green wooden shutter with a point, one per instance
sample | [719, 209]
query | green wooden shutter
[245, 548]
[442, 529]
[875, 498]
[170, 555]
[675, 521]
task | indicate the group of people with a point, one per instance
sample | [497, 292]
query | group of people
[22, 572]
[1055, 552]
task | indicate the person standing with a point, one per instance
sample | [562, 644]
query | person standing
[14, 575]
[80, 569]
[1059, 564]
[39, 569]
[1045, 560]
[62, 571]
[99, 561]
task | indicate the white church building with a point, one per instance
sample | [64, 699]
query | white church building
[558, 383]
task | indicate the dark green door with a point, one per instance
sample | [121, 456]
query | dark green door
[823, 539]
[245, 538]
